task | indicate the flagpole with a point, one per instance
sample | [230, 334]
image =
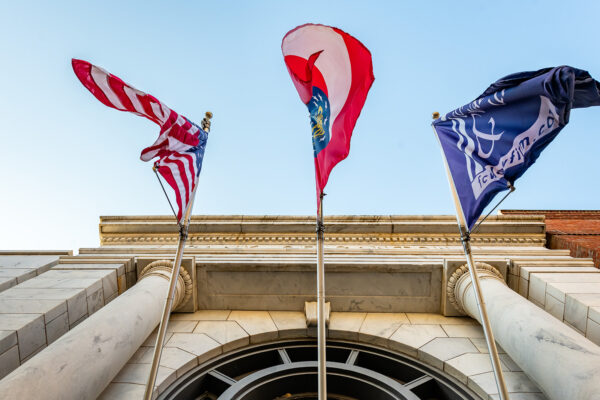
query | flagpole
[465, 237]
[322, 370]
[164, 321]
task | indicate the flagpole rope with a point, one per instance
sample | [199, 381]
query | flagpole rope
[165, 192]
[512, 189]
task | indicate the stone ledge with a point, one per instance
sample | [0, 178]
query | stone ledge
[17, 268]
[36, 252]
[42, 309]
[569, 293]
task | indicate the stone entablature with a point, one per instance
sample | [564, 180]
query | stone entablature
[374, 263]
[392, 231]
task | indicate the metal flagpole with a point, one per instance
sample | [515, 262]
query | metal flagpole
[485, 322]
[164, 321]
[322, 370]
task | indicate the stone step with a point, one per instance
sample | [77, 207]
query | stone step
[15, 269]
[87, 265]
[129, 276]
[571, 294]
[35, 313]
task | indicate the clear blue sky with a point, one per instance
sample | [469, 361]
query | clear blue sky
[67, 159]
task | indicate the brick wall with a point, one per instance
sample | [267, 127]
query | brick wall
[576, 230]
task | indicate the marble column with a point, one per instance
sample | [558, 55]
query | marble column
[84, 361]
[563, 363]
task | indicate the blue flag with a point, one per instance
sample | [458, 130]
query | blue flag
[491, 141]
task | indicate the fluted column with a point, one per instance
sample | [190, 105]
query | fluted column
[563, 363]
[81, 363]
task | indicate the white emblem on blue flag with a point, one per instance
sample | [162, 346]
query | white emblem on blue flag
[480, 174]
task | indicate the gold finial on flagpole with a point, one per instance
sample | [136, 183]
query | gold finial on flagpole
[206, 121]
[435, 115]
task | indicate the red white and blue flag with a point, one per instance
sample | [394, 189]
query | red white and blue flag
[332, 72]
[180, 144]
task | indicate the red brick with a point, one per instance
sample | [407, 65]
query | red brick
[575, 230]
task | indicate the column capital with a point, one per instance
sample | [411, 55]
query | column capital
[460, 280]
[163, 268]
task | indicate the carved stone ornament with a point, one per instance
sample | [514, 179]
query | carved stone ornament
[163, 268]
[484, 271]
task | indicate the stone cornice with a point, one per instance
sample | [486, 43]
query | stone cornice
[308, 252]
[289, 239]
[379, 230]
[388, 224]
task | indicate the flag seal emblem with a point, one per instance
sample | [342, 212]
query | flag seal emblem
[332, 72]
[318, 107]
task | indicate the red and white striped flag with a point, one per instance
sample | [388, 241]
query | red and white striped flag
[180, 144]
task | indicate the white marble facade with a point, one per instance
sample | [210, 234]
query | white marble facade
[386, 282]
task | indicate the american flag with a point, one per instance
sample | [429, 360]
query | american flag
[180, 144]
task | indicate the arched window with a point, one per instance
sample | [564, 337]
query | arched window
[287, 370]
